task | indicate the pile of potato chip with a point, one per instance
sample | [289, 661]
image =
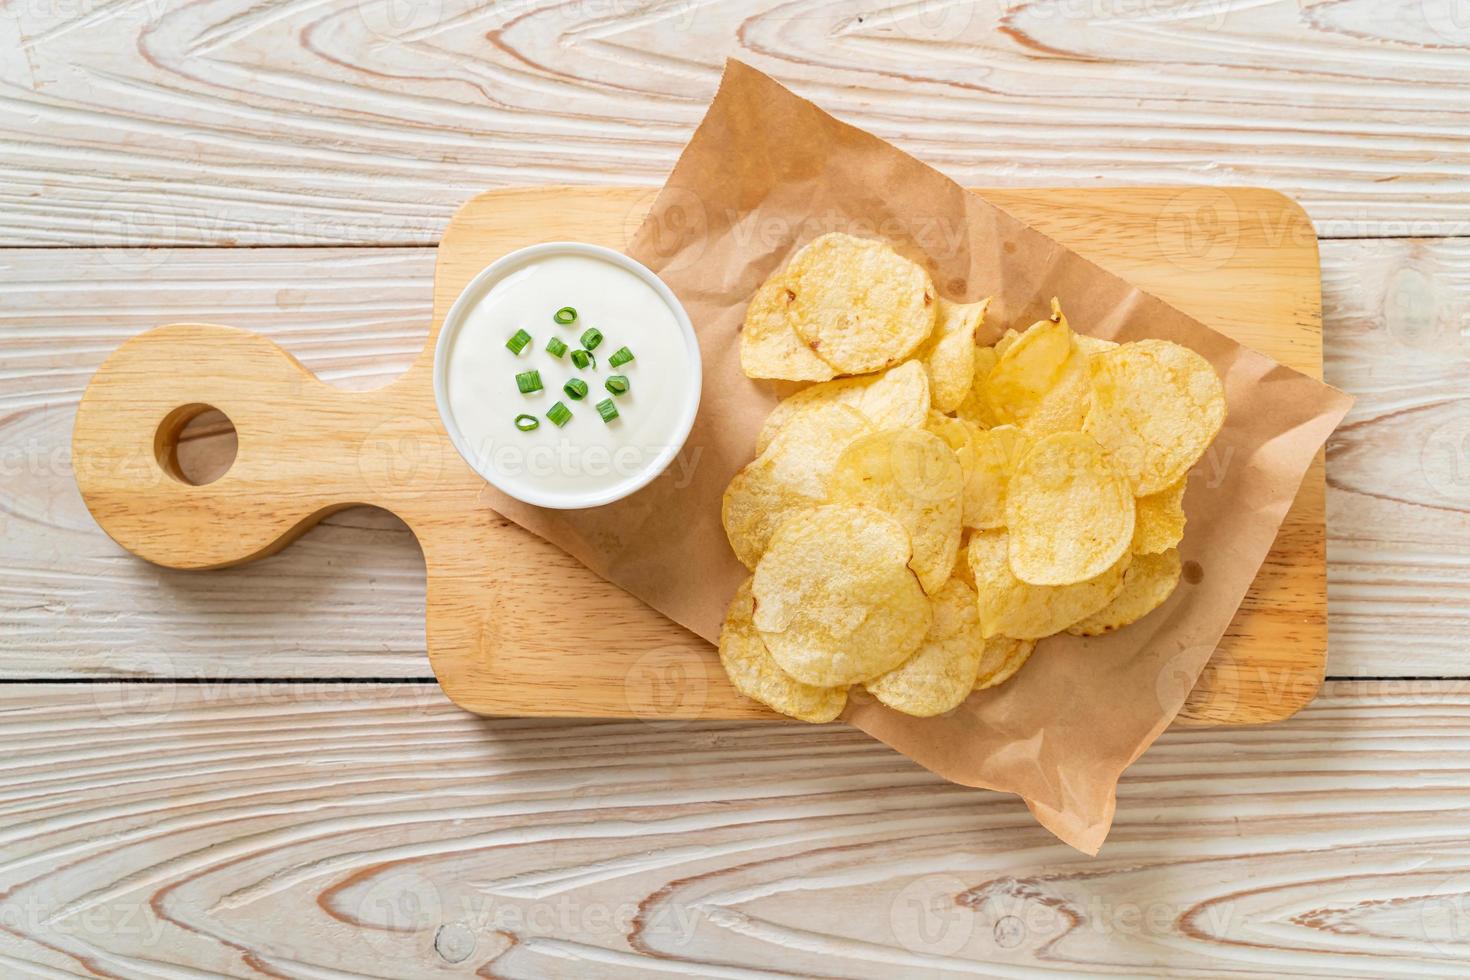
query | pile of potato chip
[920, 517]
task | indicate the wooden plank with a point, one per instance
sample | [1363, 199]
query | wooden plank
[1399, 479]
[342, 121]
[374, 830]
[347, 599]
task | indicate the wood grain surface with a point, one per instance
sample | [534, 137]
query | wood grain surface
[344, 831]
[369, 121]
[330, 829]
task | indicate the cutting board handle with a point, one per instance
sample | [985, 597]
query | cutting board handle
[305, 448]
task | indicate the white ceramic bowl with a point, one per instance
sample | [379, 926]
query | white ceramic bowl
[482, 284]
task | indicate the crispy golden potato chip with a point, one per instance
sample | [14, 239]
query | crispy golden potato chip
[754, 672]
[1063, 406]
[949, 353]
[769, 345]
[858, 304]
[811, 649]
[941, 673]
[789, 476]
[1159, 522]
[1041, 382]
[1006, 340]
[1156, 408]
[850, 554]
[1029, 366]
[1093, 345]
[975, 407]
[1002, 658]
[1010, 607]
[961, 571]
[1069, 511]
[995, 454]
[896, 399]
[915, 478]
[835, 601]
[1149, 580]
[956, 433]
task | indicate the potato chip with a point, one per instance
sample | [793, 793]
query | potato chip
[769, 345]
[835, 601]
[1159, 522]
[1010, 607]
[941, 673]
[994, 456]
[949, 353]
[789, 476]
[1093, 345]
[1069, 511]
[896, 399]
[975, 408]
[1003, 656]
[956, 433]
[1149, 580]
[1063, 406]
[1156, 407]
[1006, 340]
[858, 304]
[915, 478]
[961, 571]
[754, 672]
[1027, 368]
[1041, 382]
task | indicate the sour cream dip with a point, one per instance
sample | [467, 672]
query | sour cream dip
[586, 461]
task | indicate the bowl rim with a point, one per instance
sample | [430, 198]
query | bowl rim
[497, 270]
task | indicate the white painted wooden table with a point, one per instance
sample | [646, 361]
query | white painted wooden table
[246, 773]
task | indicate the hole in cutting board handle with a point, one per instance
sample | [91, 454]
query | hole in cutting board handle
[196, 444]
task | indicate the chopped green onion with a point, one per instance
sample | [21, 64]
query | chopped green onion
[617, 384]
[556, 347]
[575, 388]
[620, 357]
[527, 422]
[565, 315]
[607, 410]
[559, 414]
[582, 358]
[591, 337]
[528, 381]
[518, 342]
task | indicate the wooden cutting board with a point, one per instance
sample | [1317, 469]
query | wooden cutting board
[503, 636]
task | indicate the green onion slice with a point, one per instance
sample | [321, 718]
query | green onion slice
[582, 358]
[527, 422]
[617, 384]
[565, 315]
[575, 388]
[556, 347]
[620, 357]
[591, 337]
[518, 342]
[607, 410]
[559, 414]
[528, 381]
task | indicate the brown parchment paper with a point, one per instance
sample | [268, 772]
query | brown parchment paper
[766, 172]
